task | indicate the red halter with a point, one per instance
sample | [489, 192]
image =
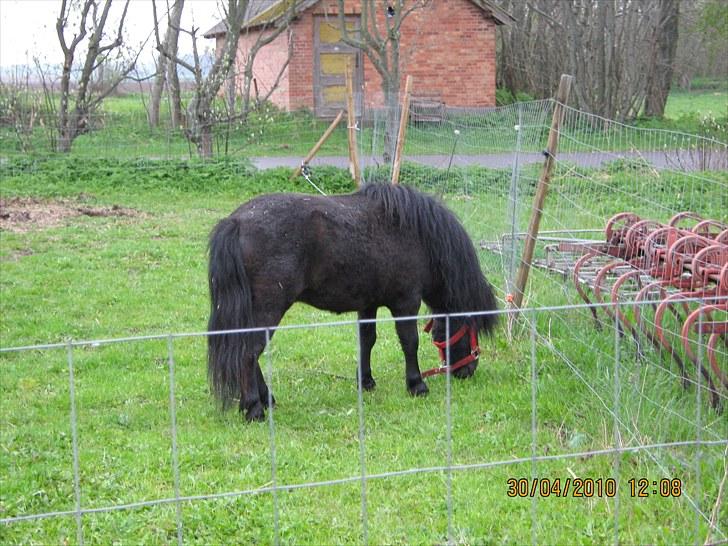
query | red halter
[443, 345]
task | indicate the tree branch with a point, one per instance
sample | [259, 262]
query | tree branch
[163, 50]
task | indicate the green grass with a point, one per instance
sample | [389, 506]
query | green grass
[121, 130]
[108, 277]
[712, 102]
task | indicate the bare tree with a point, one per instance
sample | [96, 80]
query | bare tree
[200, 118]
[21, 106]
[248, 79]
[77, 105]
[703, 35]
[612, 47]
[167, 71]
[378, 36]
[664, 48]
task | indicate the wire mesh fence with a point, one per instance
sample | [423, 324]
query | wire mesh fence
[649, 438]
[561, 408]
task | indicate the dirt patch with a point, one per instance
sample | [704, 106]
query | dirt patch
[16, 255]
[22, 214]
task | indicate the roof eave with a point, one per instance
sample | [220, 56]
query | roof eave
[499, 15]
[268, 18]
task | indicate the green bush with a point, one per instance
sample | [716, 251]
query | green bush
[524, 97]
[503, 97]
[628, 165]
[63, 176]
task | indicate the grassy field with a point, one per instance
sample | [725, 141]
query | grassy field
[140, 268]
[711, 102]
[120, 129]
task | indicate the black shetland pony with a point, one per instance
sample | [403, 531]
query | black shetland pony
[383, 246]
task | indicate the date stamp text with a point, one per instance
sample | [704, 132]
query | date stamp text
[592, 487]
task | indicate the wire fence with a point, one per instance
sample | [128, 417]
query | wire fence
[588, 408]
[650, 434]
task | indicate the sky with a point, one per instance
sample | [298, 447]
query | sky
[27, 28]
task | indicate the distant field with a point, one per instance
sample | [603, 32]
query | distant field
[700, 103]
[120, 130]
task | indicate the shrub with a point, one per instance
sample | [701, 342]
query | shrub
[503, 97]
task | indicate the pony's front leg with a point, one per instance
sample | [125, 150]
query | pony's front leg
[367, 339]
[410, 339]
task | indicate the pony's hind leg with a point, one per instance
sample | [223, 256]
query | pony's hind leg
[367, 339]
[250, 400]
[253, 389]
[263, 389]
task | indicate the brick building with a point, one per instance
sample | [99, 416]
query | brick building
[448, 46]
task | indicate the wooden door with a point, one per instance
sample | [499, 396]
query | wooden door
[330, 59]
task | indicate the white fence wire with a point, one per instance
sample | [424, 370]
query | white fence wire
[678, 455]
[485, 164]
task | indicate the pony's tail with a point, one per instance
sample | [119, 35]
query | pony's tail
[231, 308]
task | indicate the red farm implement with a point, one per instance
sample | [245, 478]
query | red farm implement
[663, 284]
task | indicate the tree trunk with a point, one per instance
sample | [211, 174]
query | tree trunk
[177, 113]
[199, 118]
[231, 92]
[511, 49]
[204, 146]
[68, 130]
[157, 89]
[63, 144]
[660, 80]
[172, 76]
[391, 124]
[167, 71]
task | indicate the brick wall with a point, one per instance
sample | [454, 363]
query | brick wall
[300, 71]
[448, 47]
[266, 67]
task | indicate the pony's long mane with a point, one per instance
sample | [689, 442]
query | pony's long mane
[450, 251]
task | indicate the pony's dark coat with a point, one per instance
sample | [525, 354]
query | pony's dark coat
[383, 246]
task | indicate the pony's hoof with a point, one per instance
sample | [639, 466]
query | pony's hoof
[466, 371]
[418, 389]
[368, 383]
[255, 413]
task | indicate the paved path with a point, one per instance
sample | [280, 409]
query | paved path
[674, 160]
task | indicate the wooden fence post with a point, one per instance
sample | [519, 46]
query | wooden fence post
[562, 96]
[403, 120]
[318, 145]
[351, 110]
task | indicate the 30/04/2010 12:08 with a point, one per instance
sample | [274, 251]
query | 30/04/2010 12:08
[591, 487]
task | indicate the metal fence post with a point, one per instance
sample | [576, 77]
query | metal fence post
[448, 423]
[616, 414]
[173, 431]
[513, 201]
[534, 426]
[362, 437]
[74, 445]
[272, 433]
